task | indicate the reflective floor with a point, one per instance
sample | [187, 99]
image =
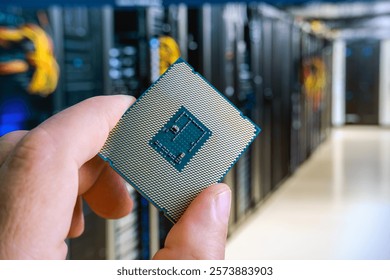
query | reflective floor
[336, 206]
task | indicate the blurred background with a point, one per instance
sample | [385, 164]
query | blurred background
[314, 75]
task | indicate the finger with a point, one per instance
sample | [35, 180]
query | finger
[77, 224]
[108, 197]
[89, 173]
[8, 143]
[103, 189]
[87, 125]
[201, 232]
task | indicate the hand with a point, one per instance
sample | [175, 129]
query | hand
[45, 175]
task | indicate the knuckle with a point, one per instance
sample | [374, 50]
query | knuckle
[31, 150]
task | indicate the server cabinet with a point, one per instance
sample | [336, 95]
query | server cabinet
[256, 65]
[128, 55]
[76, 32]
[306, 101]
[123, 236]
[296, 97]
[319, 95]
[316, 89]
[267, 141]
[246, 102]
[20, 109]
[281, 101]
[362, 82]
[326, 118]
[195, 39]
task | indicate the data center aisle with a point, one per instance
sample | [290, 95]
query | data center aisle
[336, 206]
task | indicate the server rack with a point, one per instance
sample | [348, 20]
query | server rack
[296, 100]
[362, 98]
[281, 101]
[128, 58]
[307, 101]
[195, 38]
[326, 117]
[256, 62]
[312, 53]
[77, 31]
[246, 102]
[267, 124]
[20, 109]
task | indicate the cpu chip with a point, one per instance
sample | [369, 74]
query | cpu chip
[178, 138]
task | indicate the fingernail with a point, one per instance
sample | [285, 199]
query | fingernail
[222, 201]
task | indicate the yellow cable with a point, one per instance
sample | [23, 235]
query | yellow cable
[12, 35]
[46, 74]
[45, 78]
[314, 73]
[13, 67]
[169, 52]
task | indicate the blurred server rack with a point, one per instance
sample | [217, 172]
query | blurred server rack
[362, 98]
[296, 99]
[272, 82]
[281, 118]
[246, 102]
[266, 98]
[315, 82]
[128, 55]
[19, 108]
[256, 60]
[307, 101]
[124, 236]
[77, 31]
[326, 118]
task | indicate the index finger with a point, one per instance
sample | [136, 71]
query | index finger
[81, 130]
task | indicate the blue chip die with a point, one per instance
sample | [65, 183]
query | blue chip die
[180, 138]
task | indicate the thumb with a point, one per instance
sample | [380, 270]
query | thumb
[202, 230]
